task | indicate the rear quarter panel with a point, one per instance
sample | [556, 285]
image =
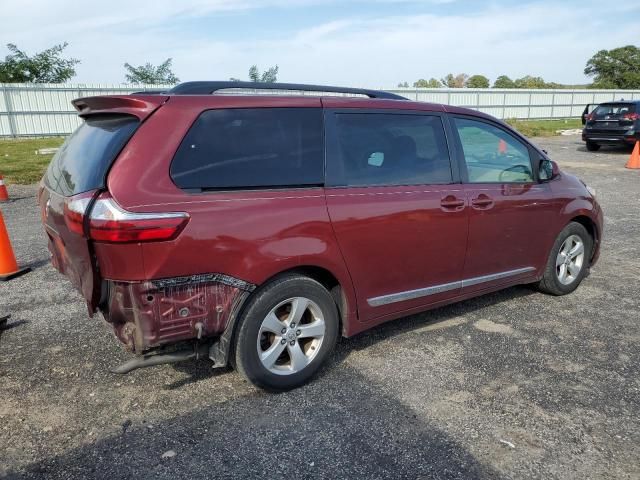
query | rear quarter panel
[251, 235]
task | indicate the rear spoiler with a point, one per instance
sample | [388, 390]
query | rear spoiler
[140, 106]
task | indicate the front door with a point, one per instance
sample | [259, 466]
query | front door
[510, 212]
[399, 218]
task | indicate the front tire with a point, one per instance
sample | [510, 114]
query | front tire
[592, 147]
[286, 332]
[568, 261]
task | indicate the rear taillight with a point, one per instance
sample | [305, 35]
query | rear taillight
[631, 116]
[589, 117]
[109, 222]
[74, 210]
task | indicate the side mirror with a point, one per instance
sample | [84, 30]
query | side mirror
[548, 170]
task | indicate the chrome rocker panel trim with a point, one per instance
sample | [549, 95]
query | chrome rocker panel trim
[445, 287]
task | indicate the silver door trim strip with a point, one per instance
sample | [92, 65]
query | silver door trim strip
[496, 276]
[445, 287]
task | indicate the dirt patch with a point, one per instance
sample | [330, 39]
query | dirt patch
[492, 327]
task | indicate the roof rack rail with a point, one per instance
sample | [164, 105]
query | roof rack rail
[153, 91]
[206, 88]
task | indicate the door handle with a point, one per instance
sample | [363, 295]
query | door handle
[482, 201]
[451, 202]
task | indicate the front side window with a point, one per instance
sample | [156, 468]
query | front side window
[388, 149]
[251, 148]
[491, 154]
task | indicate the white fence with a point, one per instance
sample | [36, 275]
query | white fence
[45, 109]
[519, 103]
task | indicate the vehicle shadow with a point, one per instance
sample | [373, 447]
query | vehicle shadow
[196, 371]
[329, 429]
[411, 323]
[613, 149]
[7, 324]
[201, 370]
[34, 265]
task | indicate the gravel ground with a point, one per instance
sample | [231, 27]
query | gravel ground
[510, 385]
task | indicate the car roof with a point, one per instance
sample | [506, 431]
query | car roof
[619, 101]
[210, 87]
[247, 100]
[369, 103]
[362, 98]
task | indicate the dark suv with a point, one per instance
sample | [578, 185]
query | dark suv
[256, 229]
[612, 123]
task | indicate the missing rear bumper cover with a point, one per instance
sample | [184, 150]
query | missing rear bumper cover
[150, 314]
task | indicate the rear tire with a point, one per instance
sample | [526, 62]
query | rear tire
[568, 261]
[592, 147]
[286, 332]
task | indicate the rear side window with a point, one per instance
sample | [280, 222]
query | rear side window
[388, 149]
[251, 148]
[613, 110]
[82, 162]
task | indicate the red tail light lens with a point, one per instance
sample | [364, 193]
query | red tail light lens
[589, 117]
[74, 210]
[631, 116]
[109, 222]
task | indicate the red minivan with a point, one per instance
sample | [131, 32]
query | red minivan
[255, 229]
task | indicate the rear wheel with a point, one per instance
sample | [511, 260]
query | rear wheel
[287, 330]
[568, 261]
[592, 147]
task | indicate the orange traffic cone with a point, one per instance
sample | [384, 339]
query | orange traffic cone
[4, 195]
[634, 159]
[8, 265]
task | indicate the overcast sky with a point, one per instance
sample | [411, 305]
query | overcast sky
[369, 43]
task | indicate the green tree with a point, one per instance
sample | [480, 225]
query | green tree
[530, 82]
[268, 76]
[403, 85]
[504, 82]
[149, 74]
[617, 68]
[431, 83]
[47, 66]
[458, 81]
[478, 81]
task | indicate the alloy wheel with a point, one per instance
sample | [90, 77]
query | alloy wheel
[570, 260]
[290, 336]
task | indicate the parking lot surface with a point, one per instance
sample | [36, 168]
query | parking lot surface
[515, 384]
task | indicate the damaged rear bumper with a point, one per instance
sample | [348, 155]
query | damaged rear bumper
[150, 314]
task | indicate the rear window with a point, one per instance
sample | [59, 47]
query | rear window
[251, 148]
[613, 110]
[82, 162]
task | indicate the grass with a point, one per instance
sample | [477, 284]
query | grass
[19, 162]
[543, 128]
